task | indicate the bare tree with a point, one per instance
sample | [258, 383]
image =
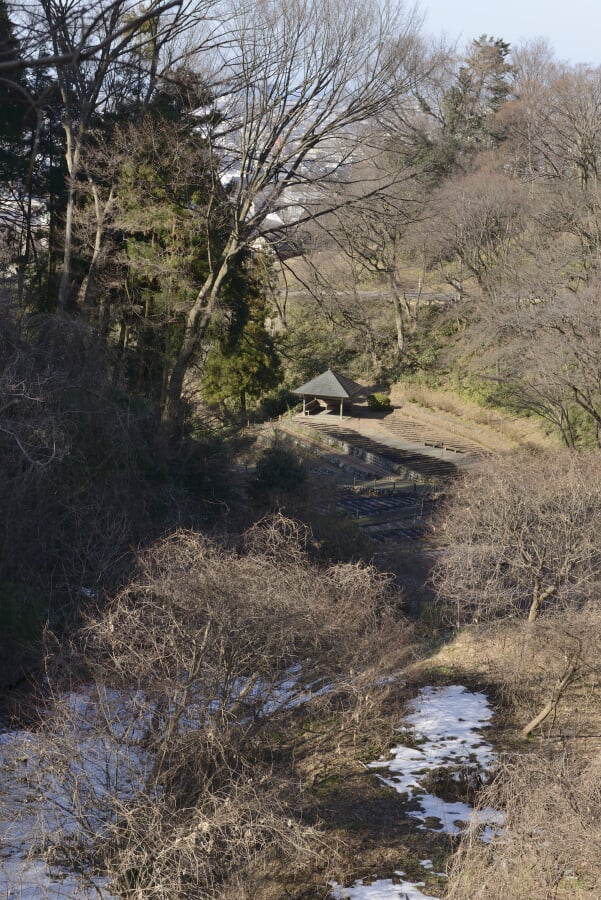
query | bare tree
[373, 235]
[522, 537]
[103, 56]
[35, 42]
[298, 81]
[548, 355]
[474, 232]
[567, 136]
[570, 334]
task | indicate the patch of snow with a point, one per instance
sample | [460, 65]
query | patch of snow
[382, 889]
[291, 692]
[429, 865]
[393, 678]
[445, 725]
[33, 880]
[103, 764]
[41, 805]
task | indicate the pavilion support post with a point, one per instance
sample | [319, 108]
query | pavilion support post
[341, 407]
[304, 405]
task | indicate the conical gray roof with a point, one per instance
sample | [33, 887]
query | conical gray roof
[330, 386]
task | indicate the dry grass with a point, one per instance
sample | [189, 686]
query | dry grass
[547, 785]
[548, 849]
[520, 663]
[335, 269]
[498, 431]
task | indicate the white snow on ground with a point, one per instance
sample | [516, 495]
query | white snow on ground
[383, 889]
[33, 880]
[105, 764]
[445, 728]
[40, 805]
[429, 865]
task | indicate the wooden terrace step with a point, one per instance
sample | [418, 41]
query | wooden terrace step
[419, 432]
[419, 463]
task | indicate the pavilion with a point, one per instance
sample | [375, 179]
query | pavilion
[331, 391]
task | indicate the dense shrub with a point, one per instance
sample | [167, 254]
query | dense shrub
[379, 402]
[198, 678]
[84, 476]
[278, 469]
[523, 537]
[548, 846]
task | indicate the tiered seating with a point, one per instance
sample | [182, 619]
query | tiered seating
[396, 459]
[401, 426]
[363, 506]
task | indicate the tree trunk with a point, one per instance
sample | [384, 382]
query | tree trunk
[29, 242]
[73, 157]
[586, 404]
[398, 315]
[539, 597]
[570, 674]
[86, 291]
[197, 323]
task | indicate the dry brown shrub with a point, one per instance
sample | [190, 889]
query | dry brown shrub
[549, 845]
[523, 537]
[176, 759]
[67, 446]
[551, 665]
[550, 795]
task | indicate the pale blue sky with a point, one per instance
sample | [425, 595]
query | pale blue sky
[572, 27]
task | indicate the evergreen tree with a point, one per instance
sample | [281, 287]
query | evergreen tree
[160, 234]
[242, 362]
[166, 221]
[481, 87]
[14, 103]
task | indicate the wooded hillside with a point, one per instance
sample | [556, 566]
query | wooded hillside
[204, 205]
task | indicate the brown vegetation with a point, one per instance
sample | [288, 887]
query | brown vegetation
[84, 478]
[522, 537]
[177, 756]
[548, 846]
[495, 429]
[455, 203]
[543, 675]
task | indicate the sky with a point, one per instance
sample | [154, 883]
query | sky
[571, 27]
